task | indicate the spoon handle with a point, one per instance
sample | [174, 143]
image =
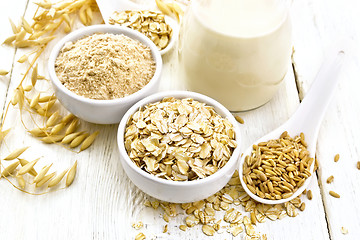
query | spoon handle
[312, 109]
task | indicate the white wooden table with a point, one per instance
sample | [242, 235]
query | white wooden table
[102, 202]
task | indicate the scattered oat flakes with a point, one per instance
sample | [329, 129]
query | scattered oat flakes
[336, 158]
[137, 225]
[183, 227]
[358, 165]
[291, 210]
[155, 204]
[166, 217]
[147, 203]
[235, 230]
[344, 230]
[165, 228]
[199, 213]
[191, 221]
[140, 236]
[208, 230]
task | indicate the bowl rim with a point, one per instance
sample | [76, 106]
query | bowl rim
[179, 94]
[103, 28]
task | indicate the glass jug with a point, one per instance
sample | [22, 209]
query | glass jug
[235, 51]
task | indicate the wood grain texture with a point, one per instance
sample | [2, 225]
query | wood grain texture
[328, 22]
[102, 202]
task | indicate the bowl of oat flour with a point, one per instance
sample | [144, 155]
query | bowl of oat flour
[99, 72]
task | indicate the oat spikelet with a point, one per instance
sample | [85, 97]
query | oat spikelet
[24, 43]
[16, 153]
[35, 100]
[38, 132]
[23, 162]
[55, 181]
[57, 128]
[48, 105]
[163, 7]
[23, 58]
[42, 174]
[88, 141]
[71, 174]
[9, 169]
[14, 28]
[67, 118]
[26, 25]
[44, 5]
[15, 98]
[69, 138]
[3, 133]
[19, 37]
[34, 75]
[52, 119]
[28, 167]
[21, 181]
[46, 98]
[72, 127]
[3, 72]
[45, 179]
[44, 40]
[9, 40]
[78, 140]
[28, 88]
[52, 139]
[82, 15]
[89, 15]
[36, 35]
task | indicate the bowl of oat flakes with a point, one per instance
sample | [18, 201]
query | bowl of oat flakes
[99, 72]
[179, 146]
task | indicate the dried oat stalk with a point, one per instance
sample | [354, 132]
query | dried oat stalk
[21, 167]
[36, 34]
[170, 8]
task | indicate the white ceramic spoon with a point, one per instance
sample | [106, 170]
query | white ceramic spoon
[306, 119]
[108, 7]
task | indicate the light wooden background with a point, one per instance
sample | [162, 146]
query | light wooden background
[102, 203]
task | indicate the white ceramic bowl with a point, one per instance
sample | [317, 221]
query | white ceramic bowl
[174, 191]
[107, 8]
[102, 111]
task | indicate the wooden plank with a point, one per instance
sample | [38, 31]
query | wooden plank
[102, 202]
[329, 21]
